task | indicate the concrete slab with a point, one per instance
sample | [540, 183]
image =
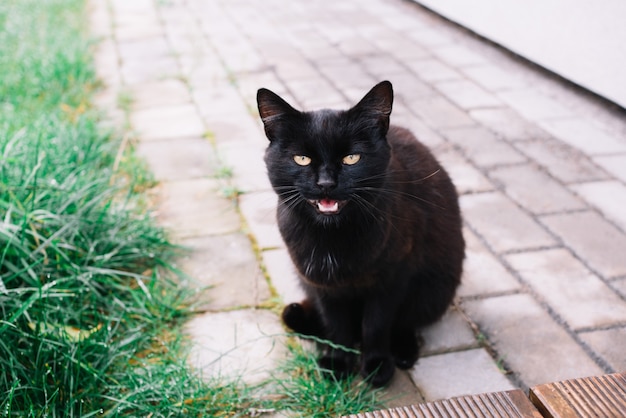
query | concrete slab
[483, 147]
[194, 208]
[529, 341]
[607, 196]
[451, 333]
[226, 268]
[609, 342]
[259, 210]
[171, 122]
[241, 345]
[577, 295]
[459, 373]
[283, 275]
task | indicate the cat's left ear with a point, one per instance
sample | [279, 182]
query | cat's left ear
[377, 104]
[273, 110]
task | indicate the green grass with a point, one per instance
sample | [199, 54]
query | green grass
[90, 312]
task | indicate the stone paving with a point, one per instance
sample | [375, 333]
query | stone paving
[541, 169]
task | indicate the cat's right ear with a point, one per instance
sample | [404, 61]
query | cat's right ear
[273, 110]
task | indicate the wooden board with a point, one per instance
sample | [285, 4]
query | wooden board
[513, 403]
[601, 396]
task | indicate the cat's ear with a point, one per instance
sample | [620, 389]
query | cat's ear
[377, 104]
[273, 110]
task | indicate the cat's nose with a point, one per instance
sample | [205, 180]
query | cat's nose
[326, 183]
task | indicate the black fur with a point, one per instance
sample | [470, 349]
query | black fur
[389, 260]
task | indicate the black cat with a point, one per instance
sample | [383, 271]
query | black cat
[372, 224]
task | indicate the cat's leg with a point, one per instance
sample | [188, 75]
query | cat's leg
[341, 324]
[377, 362]
[405, 342]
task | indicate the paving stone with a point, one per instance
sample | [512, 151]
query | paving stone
[142, 50]
[535, 190]
[593, 239]
[614, 164]
[316, 93]
[159, 93]
[508, 124]
[620, 286]
[181, 159]
[562, 161]
[529, 341]
[246, 160]
[582, 135]
[401, 391]
[533, 105]
[466, 94]
[608, 196]
[483, 147]
[451, 333]
[459, 373]
[244, 345]
[433, 70]
[401, 116]
[483, 274]
[283, 275]
[259, 210]
[172, 122]
[229, 266]
[192, 208]
[381, 67]
[438, 112]
[504, 226]
[137, 71]
[408, 87]
[459, 55]
[465, 177]
[609, 344]
[576, 294]
[494, 78]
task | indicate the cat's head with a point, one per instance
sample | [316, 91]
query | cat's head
[327, 163]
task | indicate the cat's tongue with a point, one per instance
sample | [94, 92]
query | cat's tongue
[328, 206]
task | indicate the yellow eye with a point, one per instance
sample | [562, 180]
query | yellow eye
[302, 160]
[351, 159]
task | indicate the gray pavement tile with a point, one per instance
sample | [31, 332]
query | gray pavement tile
[459, 373]
[437, 112]
[494, 78]
[433, 70]
[535, 347]
[450, 333]
[401, 116]
[229, 266]
[503, 225]
[576, 294]
[316, 93]
[138, 72]
[465, 176]
[584, 136]
[259, 210]
[245, 158]
[608, 196]
[180, 159]
[535, 190]
[562, 161]
[237, 345]
[144, 49]
[593, 239]
[467, 94]
[192, 208]
[283, 275]
[614, 164]
[609, 344]
[534, 105]
[381, 65]
[171, 122]
[483, 147]
[162, 93]
[483, 273]
[459, 56]
[508, 124]
[620, 286]
[401, 391]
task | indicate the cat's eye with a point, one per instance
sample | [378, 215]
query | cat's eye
[302, 160]
[351, 159]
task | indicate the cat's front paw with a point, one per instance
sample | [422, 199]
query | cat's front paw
[302, 318]
[378, 370]
[405, 350]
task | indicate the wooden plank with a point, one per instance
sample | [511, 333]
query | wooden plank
[513, 403]
[601, 396]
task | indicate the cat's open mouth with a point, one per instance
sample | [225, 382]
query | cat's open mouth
[328, 206]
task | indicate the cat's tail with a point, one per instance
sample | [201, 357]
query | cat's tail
[303, 318]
